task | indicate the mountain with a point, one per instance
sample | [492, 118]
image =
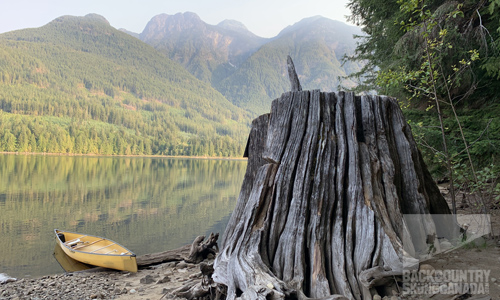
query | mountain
[210, 52]
[78, 85]
[316, 46]
[136, 35]
[251, 71]
[235, 26]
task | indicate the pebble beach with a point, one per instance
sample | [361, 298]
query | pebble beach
[156, 282]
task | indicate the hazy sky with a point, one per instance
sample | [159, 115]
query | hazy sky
[263, 17]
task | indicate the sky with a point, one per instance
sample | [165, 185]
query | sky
[265, 18]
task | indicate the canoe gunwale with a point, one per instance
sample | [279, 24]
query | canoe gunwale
[63, 244]
[125, 261]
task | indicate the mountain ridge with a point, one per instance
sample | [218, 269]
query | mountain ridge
[316, 46]
[234, 25]
[203, 49]
[118, 94]
[224, 55]
[190, 88]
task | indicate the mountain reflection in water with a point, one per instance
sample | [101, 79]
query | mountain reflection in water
[146, 204]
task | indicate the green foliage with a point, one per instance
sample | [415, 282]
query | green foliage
[395, 43]
[483, 186]
[94, 89]
[492, 63]
[480, 127]
[438, 54]
[486, 175]
[437, 76]
[375, 49]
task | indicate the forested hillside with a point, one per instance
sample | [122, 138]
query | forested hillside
[316, 46]
[77, 85]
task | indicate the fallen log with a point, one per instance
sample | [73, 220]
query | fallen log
[194, 253]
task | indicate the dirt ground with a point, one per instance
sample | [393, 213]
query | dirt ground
[480, 256]
[164, 279]
[483, 257]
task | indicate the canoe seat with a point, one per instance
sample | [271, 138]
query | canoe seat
[78, 238]
[73, 242]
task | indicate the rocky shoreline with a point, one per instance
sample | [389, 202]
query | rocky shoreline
[152, 283]
[160, 281]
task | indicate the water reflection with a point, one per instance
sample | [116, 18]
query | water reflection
[146, 204]
[67, 263]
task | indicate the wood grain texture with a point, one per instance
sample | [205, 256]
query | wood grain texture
[292, 75]
[320, 212]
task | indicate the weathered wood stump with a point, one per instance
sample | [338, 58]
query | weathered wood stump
[320, 212]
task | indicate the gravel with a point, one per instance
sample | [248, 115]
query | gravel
[73, 286]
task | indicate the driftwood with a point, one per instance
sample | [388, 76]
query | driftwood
[193, 290]
[200, 249]
[201, 288]
[320, 211]
[194, 253]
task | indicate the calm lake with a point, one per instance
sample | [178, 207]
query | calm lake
[146, 204]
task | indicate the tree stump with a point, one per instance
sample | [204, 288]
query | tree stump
[320, 212]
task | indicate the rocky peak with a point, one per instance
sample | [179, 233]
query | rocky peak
[233, 25]
[163, 25]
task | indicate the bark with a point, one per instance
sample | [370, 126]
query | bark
[320, 212]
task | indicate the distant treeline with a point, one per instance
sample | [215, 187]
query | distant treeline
[55, 135]
[39, 120]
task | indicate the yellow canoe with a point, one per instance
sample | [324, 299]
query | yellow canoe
[96, 251]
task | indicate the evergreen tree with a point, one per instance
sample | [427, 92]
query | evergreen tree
[77, 85]
[388, 47]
